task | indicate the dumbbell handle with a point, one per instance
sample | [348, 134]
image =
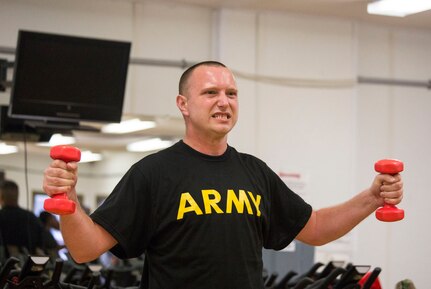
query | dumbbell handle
[59, 203]
[389, 213]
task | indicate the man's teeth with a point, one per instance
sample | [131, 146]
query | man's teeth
[221, 116]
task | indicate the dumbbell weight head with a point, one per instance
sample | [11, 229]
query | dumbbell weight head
[65, 153]
[59, 204]
[389, 213]
[389, 166]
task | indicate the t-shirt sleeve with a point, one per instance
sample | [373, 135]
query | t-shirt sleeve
[126, 214]
[288, 214]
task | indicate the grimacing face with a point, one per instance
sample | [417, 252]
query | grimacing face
[211, 104]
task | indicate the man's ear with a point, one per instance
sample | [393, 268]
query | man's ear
[182, 104]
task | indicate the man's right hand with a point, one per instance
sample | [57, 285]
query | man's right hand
[61, 177]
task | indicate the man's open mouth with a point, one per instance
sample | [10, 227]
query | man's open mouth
[221, 116]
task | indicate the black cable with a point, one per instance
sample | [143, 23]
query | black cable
[29, 231]
[26, 168]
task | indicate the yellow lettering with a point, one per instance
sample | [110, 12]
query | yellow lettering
[212, 198]
[256, 202]
[183, 208]
[238, 202]
[211, 202]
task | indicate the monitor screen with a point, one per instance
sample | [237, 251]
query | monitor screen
[68, 78]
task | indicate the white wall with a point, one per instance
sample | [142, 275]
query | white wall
[394, 122]
[331, 135]
[170, 32]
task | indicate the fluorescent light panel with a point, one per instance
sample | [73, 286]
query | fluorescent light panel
[398, 8]
[58, 139]
[6, 149]
[128, 126]
[89, 156]
[148, 145]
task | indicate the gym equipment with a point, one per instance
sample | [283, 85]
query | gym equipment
[35, 273]
[283, 282]
[389, 213]
[324, 283]
[311, 273]
[59, 203]
[330, 266]
[30, 275]
[303, 283]
[6, 269]
[351, 276]
[271, 280]
[54, 283]
[123, 274]
[33, 266]
[371, 280]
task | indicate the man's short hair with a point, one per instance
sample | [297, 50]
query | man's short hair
[9, 192]
[183, 85]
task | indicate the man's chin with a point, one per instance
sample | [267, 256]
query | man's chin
[223, 131]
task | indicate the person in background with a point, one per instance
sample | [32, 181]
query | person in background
[49, 243]
[20, 229]
[200, 210]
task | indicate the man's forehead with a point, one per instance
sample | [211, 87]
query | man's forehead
[214, 74]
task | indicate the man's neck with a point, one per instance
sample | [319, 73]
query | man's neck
[212, 148]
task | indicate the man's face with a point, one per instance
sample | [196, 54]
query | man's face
[211, 101]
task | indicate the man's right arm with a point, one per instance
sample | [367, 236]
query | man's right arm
[84, 239]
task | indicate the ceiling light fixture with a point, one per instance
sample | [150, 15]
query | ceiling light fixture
[58, 139]
[398, 8]
[89, 156]
[128, 126]
[6, 149]
[151, 144]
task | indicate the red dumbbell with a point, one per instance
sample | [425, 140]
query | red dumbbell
[59, 203]
[389, 213]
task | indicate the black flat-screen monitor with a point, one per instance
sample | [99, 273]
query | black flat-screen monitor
[68, 78]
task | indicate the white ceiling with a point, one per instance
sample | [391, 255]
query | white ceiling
[347, 9]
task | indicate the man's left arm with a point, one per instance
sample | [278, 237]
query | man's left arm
[328, 224]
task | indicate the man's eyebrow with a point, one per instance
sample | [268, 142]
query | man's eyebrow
[212, 87]
[215, 87]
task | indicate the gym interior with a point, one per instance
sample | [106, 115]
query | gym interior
[322, 98]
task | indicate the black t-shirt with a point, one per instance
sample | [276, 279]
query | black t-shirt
[21, 228]
[201, 220]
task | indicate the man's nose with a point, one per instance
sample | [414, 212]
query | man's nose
[222, 99]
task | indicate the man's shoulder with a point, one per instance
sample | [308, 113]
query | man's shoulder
[249, 158]
[159, 155]
[157, 160]
[7, 212]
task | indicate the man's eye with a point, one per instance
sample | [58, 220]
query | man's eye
[232, 94]
[211, 92]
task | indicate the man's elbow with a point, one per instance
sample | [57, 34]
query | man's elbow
[315, 242]
[80, 258]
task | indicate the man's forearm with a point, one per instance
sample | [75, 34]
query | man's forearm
[328, 224]
[84, 239]
[341, 219]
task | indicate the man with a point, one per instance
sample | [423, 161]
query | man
[200, 211]
[20, 229]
